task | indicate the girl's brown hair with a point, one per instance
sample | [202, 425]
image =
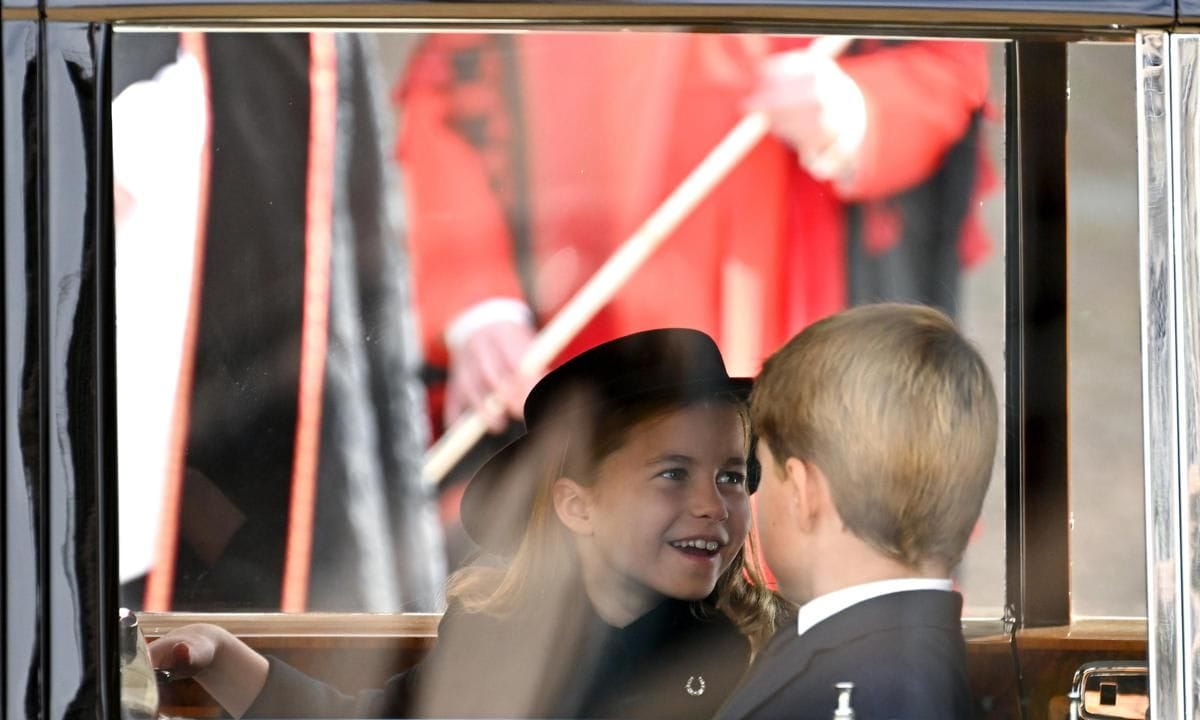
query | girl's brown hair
[544, 569]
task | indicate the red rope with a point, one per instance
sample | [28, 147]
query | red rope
[314, 337]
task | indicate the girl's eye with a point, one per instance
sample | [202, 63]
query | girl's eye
[731, 477]
[674, 474]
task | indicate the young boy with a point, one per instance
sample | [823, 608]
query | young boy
[877, 431]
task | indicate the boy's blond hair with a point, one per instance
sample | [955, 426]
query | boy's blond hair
[898, 411]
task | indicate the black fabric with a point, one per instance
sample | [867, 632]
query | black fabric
[923, 264]
[904, 652]
[373, 414]
[641, 671]
[669, 361]
[375, 542]
[247, 360]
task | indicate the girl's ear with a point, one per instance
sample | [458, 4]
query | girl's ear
[573, 505]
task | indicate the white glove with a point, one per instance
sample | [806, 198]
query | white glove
[815, 107]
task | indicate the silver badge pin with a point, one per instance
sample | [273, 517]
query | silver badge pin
[843, 710]
[695, 685]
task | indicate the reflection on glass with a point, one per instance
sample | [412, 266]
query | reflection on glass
[257, 243]
[272, 305]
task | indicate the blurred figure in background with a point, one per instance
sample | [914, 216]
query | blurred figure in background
[531, 158]
[270, 419]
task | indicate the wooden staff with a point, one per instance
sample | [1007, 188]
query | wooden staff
[461, 436]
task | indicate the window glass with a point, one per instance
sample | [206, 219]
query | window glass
[982, 573]
[1104, 372]
[330, 245]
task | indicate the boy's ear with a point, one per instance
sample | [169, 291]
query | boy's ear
[573, 505]
[806, 491]
[820, 498]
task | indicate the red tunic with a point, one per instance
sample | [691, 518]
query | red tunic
[604, 127]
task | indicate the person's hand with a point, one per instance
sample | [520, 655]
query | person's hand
[815, 107]
[188, 651]
[484, 364]
[229, 669]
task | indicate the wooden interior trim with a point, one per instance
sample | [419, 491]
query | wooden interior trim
[1102, 634]
[296, 626]
[356, 652]
[20, 13]
[324, 629]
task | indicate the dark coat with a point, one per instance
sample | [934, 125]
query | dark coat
[904, 652]
[672, 662]
[376, 543]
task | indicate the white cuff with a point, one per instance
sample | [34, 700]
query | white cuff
[488, 312]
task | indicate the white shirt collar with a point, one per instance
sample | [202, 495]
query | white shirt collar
[826, 606]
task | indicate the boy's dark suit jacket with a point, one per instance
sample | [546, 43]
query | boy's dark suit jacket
[904, 652]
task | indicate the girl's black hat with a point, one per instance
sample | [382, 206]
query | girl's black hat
[668, 365]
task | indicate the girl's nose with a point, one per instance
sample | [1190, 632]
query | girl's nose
[707, 502]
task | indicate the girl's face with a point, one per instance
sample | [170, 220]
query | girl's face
[669, 509]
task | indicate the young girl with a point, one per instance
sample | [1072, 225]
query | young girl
[623, 588]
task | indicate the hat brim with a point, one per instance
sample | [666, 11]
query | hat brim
[498, 500]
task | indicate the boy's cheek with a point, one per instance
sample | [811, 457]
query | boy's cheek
[773, 537]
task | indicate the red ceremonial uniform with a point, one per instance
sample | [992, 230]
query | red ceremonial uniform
[566, 142]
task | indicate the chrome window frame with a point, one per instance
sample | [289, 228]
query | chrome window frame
[1169, 248]
[71, 597]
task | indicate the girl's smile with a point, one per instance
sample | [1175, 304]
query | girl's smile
[669, 509]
